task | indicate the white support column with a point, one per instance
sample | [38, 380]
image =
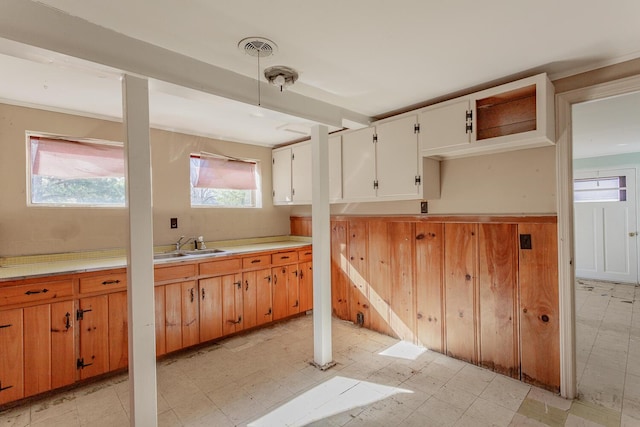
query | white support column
[140, 291]
[321, 232]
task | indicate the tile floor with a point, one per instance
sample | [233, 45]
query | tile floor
[263, 378]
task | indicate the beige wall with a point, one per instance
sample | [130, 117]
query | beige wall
[33, 230]
[515, 182]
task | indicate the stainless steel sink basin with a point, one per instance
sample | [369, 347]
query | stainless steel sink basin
[204, 252]
[168, 255]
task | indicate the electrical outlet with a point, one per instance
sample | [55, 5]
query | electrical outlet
[174, 222]
[424, 207]
[525, 241]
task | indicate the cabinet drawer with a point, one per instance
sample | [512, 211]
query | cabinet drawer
[221, 267]
[256, 261]
[284, 258]
[161, 274]
[35, 292]
[105, 282]
[305, 255]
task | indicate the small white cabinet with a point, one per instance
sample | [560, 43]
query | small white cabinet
[358, 165]
[291, 172]
[511, 116]
[281, 175]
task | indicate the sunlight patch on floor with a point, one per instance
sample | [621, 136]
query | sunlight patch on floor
[403, 350]
[339, 394]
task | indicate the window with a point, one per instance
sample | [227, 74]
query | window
[224, 182]
[607, 189]
[74, 173]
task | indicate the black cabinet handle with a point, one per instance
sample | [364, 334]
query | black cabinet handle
[296, 304]
[4, 388]
[284, 257]
[67, 323]
[202, 294]
[269, 312]
[111, 282]
[275, 279]
[255, 261]
[6, 326]
[238, 284]
[191, 293]
[43, 291]
[246, 284]
[268, 278]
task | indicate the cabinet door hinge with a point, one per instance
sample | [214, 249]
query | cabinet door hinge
[81, 365]
[274, 193]
[293, 191]
[418, 180]
[293, 156]
[375, 138]
[416, 128]
[375, 184]
[469, 121]
[80, 313]
[273, 161]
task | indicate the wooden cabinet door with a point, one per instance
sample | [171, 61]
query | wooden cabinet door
[280, 277]
[160, 316]
[249, 299]
[12, 359]
[358, 272]
[305, 277]
[444, 126]
[210, 308]
[173, 316]
[539, 312]
[401, 258]
[429, 284]
[359, 165]
[264, 307]
[281, 175]
[231, 303]
[460, 275]
[301, 173]
[37, 349]
[379, 278]
[397, 158]
[118, 331]
[63, 344]
[94, 336]
[340, 288]
[190, 314]
[498, 287]
[293, 291]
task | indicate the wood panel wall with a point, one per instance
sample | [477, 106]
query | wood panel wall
[457, 285]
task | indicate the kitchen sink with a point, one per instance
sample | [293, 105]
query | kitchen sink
[182, 253]
[204, 252]
[168, 255]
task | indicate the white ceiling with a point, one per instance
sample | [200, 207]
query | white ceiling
[366, 56]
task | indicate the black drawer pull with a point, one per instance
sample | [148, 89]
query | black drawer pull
[284, 257]
[43, 291]
[111, 282]
[4, 388]
[255, 261]
[6, 326]
[67, 322]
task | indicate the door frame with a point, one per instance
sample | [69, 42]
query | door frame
[564, 182]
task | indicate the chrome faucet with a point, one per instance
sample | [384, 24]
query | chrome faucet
[179, 244]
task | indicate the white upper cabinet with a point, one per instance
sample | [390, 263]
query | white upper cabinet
[301, 173]
[397, 166]
[335, 168]
[445, 126]
[281, 176]
[358, 165]
[511, 116]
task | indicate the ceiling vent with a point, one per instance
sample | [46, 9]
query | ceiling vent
[258, 46]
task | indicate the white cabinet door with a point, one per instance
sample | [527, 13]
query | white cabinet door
[444, 127]
[301, 173]
[358, 165]
[397, 158]
[335, 168]
[281, 176]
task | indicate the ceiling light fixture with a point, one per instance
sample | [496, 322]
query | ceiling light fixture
[282, 76]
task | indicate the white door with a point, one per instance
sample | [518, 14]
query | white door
[605, 226]
[301, 173]
[281, 175]
[444, 127]
[358, 165]
[397, 158]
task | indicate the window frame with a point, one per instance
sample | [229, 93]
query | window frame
[620, 189]
[29, 169]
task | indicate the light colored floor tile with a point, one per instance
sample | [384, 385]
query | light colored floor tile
[16, 417]
[440, 412]
[506, 392]
[489, 412]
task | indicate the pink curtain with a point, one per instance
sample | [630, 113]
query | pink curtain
[69, 159]
[225, 174]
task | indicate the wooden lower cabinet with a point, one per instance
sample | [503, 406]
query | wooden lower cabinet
[182, 327]
[498, 293]
[305, 278]
[429, 285]
[280, 277]
[12, 360]
[231, 303]
[538, 308]
[256, 299]
[190, 313]
[118, 331]
[210, 308]
[160, 319]
[264, 294]
[460, 281]
[293, 290]
[93, 321]
[63, 344]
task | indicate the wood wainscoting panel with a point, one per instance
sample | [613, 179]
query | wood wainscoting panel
[379, 277]
[498, 287]
[339, 271]
[401, 261]
[358, 272]
[460, 279]
[539, 311]
[429, 282]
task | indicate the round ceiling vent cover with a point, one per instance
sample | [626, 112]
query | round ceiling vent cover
[258, 46]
